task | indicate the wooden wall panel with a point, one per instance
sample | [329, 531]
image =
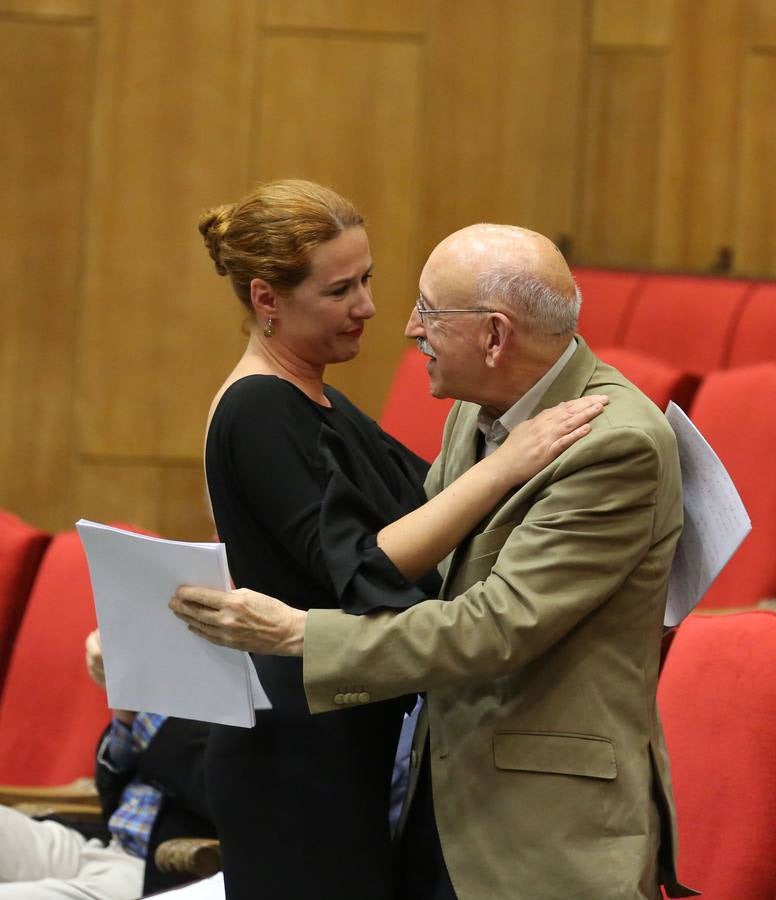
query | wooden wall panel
[544, 84]
[645, 23]
[44, 94]
[348, 15]
[616, 220]
[353, 126]
[169, 500]
[756, 188]
[49, 9]
[171, 133]
[700, 135]
[762, 23]
[461, 154]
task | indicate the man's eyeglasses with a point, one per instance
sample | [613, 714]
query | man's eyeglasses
[424, 311]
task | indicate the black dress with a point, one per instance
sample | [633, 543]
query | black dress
[299, 492]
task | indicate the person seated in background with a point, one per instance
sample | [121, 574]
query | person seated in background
[150, 778]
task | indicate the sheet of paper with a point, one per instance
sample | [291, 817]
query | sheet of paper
[152, 661]
[715, 520]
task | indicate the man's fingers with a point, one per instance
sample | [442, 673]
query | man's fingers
[209, 597]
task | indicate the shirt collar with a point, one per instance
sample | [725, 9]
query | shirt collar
[496, 430]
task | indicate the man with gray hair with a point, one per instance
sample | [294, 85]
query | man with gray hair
[540, 769]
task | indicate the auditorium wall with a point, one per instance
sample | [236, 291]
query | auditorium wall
[633, 133]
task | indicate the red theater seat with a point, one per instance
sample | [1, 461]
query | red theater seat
[687, 322]
[717, 696]
[607, 302]
[660, 381]
[51, 713]
[754, 339]
[21, 549]
[410, 413]
[734, 409]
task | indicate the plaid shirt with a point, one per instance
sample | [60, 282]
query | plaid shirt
[134, 817]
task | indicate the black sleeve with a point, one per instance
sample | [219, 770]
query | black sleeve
[315, 492]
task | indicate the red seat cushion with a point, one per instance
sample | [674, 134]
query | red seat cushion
[410, 413]
[660, 381]
[21, 549]
[753, 339]
[607, 302]
[734, 410]
[687, 322]
[51, 712]
[717, 697]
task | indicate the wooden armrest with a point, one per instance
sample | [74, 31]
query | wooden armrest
[80, 792]
[200, 857]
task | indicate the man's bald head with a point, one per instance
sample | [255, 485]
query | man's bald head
[516, 267]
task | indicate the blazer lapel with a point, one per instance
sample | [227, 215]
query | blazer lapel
[463, 445]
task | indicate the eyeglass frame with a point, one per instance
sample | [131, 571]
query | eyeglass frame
[423, 311]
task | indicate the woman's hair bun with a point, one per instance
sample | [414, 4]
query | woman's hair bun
[213, 226]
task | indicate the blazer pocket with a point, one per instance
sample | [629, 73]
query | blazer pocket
[555, 753]
[489, 542]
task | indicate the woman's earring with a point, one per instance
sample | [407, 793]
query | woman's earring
[268, 329]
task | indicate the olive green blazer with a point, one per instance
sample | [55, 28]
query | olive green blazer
[540, 662]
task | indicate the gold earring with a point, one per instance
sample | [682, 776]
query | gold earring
[268, 329]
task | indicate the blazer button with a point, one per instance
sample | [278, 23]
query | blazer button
[364, 697]
[348, 698]
[339, 699]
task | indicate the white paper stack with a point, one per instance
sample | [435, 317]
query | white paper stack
[152, 661]
[715, 519]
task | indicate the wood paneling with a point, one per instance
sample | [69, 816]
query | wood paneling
[762, 23]
[542, 122]
[640, 23]
[461, 151]
[348, 15]
[169, 500]
[620, 160]
[44, 94]
[49, 9]
[353, 126]
[756, 195]
[700, 135]
[171, 138]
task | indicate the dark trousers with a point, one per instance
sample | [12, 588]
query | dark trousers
[421, 870]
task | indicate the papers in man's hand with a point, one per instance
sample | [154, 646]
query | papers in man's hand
[715, 520]
[152, 661]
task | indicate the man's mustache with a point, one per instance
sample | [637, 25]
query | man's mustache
[425, 347]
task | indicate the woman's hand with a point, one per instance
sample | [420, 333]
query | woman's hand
[538, 441]
[242, 619]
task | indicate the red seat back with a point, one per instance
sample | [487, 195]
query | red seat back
[687, 322]
[410, 413]
[734, 410]
[753, 339]
[717, 696]
[607, 303]
[51, 713]
[660, 381]
[21, 549]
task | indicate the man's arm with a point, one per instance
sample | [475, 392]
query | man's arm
[582, 537]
